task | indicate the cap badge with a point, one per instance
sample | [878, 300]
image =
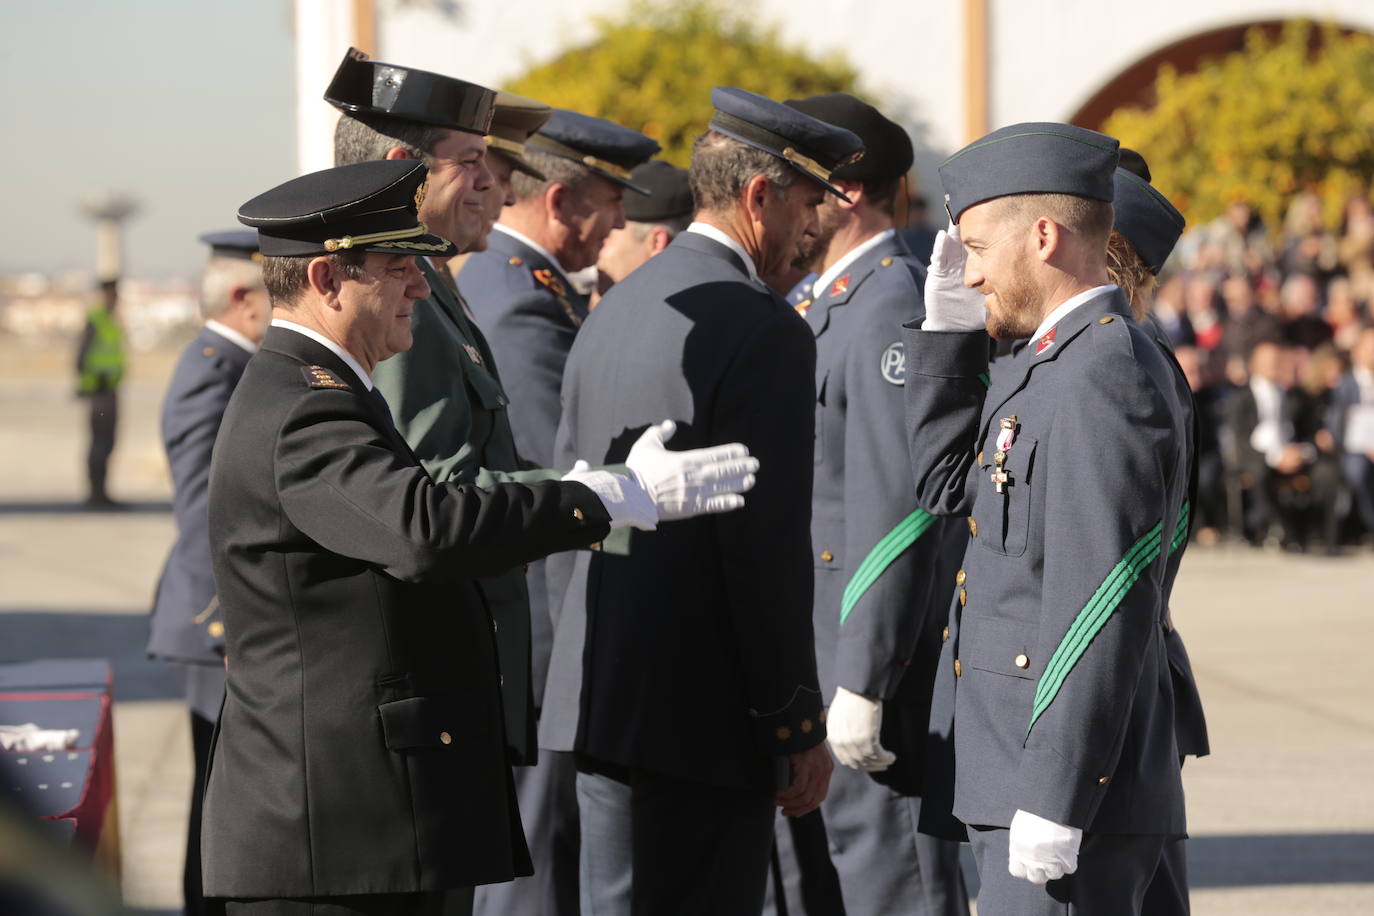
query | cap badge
[1045, 342]
[420, 194]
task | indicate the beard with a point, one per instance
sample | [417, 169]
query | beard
[1019, 307]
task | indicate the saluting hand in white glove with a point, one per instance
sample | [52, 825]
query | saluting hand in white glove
[1041, 850]
[950, 305]
[852, 727]
[697, 481]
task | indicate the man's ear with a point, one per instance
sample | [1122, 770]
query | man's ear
[238, 294]
[324, 280]
[854, 190]
[557, 198]
[1049, 236]
[398, 152]
[755, 197]
[658, 240]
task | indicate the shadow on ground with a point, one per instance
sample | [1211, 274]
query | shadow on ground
[118, 638]
[56, 507]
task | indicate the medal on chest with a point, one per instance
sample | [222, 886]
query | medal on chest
[1006, 438]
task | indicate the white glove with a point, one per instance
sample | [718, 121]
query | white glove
[1041, 850]
[950, 305]
[627, 502]
[852, 727]
[692, 482]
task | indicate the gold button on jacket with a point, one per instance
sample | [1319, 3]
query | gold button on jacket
[826, 556]
[958, 669]
[960, 578]
[1022, 661]
[445, 738]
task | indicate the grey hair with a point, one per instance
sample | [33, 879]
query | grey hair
[556, 169]
[367, 137]
[220, 278]
[722, 166]
[285, 277]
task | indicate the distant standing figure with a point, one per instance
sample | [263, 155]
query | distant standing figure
[99, 370]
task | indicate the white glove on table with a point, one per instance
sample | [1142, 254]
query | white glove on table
[627, 502]
[696, 481]
[950, 305]
[852, 727]
[1041, 850]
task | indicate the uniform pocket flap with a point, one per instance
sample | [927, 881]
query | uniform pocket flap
[1001, 646]
[421, 722]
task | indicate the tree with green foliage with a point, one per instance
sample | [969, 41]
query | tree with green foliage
[1287, 113]
[653, 66]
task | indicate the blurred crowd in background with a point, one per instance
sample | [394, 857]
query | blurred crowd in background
[1278, 345]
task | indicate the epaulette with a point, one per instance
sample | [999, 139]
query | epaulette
[320, 377]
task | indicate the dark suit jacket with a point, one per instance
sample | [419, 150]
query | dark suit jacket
[361, 747]
[1064, 696]
[695, 652]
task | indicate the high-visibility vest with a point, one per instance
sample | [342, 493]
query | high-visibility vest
[102, 365]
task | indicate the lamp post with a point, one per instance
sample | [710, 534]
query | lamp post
[109, 211]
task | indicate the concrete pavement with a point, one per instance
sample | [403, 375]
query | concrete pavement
[1282, 814]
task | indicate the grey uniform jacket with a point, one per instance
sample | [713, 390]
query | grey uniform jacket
[1063, 702]
[186, 625]
[361, 748]
[883, 580]
[693, 656]
[530, 316]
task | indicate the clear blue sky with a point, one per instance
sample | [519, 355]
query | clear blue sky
[186, 104]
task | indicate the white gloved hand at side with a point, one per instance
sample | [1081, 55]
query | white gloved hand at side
[625, 500]
[1041, 850]
[852, 727]
[692, 482]
[950, 305]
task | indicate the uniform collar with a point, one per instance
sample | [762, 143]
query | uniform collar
[229, 334]
[1063, 309]
[823, 283]
[537, 249]
[329, 345]
[716, 235]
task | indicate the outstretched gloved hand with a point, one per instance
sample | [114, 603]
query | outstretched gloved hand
[696, 481]
[852, 727]
[950, 305]
[1041, 850]
[625, 500]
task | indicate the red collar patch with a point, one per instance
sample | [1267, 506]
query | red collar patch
[1045, 342]
[840, 285]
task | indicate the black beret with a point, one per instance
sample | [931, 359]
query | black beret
[1146, 219]
[1031, 158]
[887, 148]
[608, 149]
[670, 193]
[362, 86]
[809, 145]
[367, 206]
[233, 243]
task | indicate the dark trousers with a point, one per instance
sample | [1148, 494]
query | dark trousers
[104, 419]
[1167, 894]
[1113, 874]
[804, 882]
[698, 849]
[548, 809]
[202, 730]
[422, 904]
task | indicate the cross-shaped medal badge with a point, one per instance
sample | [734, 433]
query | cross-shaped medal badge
[1006, 437]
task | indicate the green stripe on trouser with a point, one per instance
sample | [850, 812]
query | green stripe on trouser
[1092, 619]
[1181, 529]
[881, 557]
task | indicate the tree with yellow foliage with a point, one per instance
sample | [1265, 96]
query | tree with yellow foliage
[653, 66]
[1287, 113]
